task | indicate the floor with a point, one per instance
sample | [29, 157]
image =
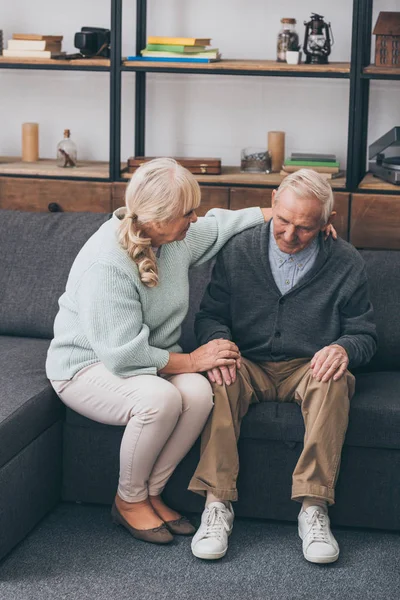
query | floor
[77, 553]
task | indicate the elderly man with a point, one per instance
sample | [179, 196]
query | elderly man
[296, 304]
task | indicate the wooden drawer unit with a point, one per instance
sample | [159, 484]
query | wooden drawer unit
[118, 195]
[43, 195]
[213, 197]
[341, 220]
[375, 221]
[246, 197]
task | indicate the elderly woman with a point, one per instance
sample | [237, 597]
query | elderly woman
[115, 357]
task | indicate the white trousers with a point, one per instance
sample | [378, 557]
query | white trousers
[163, 417]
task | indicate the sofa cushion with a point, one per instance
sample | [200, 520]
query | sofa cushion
[37, 251]
[28, 404]
[374, 416]
[383, 268]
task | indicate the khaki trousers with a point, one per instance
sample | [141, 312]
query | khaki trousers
[325, 409]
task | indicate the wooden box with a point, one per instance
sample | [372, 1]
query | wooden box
[197, 166]
[387, 46]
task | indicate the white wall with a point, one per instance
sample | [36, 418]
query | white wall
[189, 115]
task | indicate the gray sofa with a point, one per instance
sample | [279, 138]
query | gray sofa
[48, 454]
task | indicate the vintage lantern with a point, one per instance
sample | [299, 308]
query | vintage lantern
[318, 40]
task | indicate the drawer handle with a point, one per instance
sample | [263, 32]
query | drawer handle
[54, 207]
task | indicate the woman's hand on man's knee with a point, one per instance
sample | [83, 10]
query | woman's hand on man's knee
[215, 354]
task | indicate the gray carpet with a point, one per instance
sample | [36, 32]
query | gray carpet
[77, 554]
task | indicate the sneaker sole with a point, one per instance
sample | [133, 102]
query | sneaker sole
[215, 556]
[209, 556]
[322, 560]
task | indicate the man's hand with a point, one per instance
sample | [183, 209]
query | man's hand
[331, 361]
[225, 375]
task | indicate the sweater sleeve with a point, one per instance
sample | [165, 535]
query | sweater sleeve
[213, 321]
[111, 317]
[209, 234]
[358, 331]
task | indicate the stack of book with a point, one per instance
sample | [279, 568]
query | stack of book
[325, 164]
[32, 45]
[175, 49]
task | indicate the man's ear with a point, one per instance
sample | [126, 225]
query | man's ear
[273, 197]
[330, 220]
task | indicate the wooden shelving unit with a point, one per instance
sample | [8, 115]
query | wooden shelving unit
[373, 72]
[370, 182]
[246, 67]
[92, 64]
[234, 177]
[48, 168]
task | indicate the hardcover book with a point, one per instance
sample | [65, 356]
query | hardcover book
[34, 45]
[35, 36]
[31, 54]
[310, 163]
[178, 59]
[174, 48]
[179, 41]
[313, 156]
[206, 54]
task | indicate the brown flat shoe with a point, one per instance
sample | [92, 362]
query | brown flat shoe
[181, 526]
[158, 535]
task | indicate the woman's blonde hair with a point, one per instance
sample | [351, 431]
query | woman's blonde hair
[159, 191]
[306, 182]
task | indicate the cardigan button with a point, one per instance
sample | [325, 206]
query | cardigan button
[277, 334]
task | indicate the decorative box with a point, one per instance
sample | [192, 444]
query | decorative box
[197, 166]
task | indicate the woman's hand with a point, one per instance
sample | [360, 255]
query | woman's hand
[267, 213]
[329, 228]
[217, 353]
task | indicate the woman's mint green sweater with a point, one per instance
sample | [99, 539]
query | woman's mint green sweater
[108, 315]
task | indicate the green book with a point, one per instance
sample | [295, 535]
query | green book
[310, 163]
[173, 48]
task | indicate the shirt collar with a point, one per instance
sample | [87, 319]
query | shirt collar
[299, 258]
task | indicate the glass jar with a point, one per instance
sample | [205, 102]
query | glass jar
[66, 151]
[287, 39]
[255, 160]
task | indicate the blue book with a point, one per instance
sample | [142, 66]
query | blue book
[184, 60]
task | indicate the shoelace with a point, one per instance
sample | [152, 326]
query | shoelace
[216, 523]
[318, 525]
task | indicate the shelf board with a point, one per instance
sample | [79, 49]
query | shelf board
[81, 64]
[233, 176]
[371, 182]
[243, 67]
[374, 72]
[48, 168]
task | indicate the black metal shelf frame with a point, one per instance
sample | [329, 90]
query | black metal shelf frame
[358, 93]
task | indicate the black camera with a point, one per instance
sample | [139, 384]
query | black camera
[93, 41]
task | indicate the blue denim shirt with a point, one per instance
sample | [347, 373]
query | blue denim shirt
[288, 269]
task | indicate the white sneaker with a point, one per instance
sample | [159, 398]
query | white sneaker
[211, 540]
[319, 545]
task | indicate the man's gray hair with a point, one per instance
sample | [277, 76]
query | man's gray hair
[305, 183]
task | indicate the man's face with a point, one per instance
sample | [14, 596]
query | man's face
[297, 222]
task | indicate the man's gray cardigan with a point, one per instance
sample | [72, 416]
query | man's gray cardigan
[329, 305]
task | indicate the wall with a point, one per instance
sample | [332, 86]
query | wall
[188, 115]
